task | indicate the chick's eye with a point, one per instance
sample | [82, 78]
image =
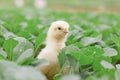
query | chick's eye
[59, 28]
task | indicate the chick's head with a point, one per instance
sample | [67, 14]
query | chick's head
[59, 28]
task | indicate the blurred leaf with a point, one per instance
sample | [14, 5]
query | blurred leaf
[25, 55]
[39, 41]
[62, 57]
[73, 64]
[1, 41]
[57, 76]
[40, 62]
[2, 30]
[90, 40]
[24, 34]
[32, 29]
[106, 64]
[5, 33]
[102, 27]
[106, 72]
[3, 53]
[117, 74]
[92, 51]
[9, 45]
[110, 52]
[83, 59]
[22, 46]
[116, 40]
[18, 73]
[2, 57]
[70, 77]
[97, 62]
[104, 77]
[27, 61]
[91, 78]
[71, 39]
[117, 66]
[78, 44]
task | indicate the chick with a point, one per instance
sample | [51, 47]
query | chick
[55, 41]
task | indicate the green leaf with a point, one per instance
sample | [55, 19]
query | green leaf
[110, 52]
[107, 72]
[91, 40]
[24, 34]
[2, 57]
[5, 33]
[90, 78]
[39, 41]
[71, 39]
[2, 30]
[62, 57]
[3, 53]
[117, 74]
[116, 40]
[27, 61]
[83, 59]
[1, 41]
[40, 62]
[78, 44]
[92, 51]
[57, 76]
[11, 71]
[86, 55]
[32, 29]
[70, 77]
[107, 65]
[9, 45]
[25, 55]
[97, 62]
[23, 45]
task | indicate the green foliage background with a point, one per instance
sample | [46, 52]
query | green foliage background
[93, 44]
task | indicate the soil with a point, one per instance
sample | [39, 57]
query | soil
[86, 9]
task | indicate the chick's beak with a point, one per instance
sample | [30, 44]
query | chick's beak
[66, 31]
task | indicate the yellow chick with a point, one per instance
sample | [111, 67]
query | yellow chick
[55, 41]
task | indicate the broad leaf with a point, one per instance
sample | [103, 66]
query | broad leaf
[118, 66]
[91, 40]
[117, 74]
[110, 52]
[25, 55]
[97, 62]
[9, 45]
[3, 53]
[39, 41]
[40, 62]
[22, 46]
[62, 57]
[71, 77]
[11, 71]
[106, 64]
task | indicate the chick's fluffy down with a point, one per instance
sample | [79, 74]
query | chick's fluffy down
[55, 41]
[53, 67]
